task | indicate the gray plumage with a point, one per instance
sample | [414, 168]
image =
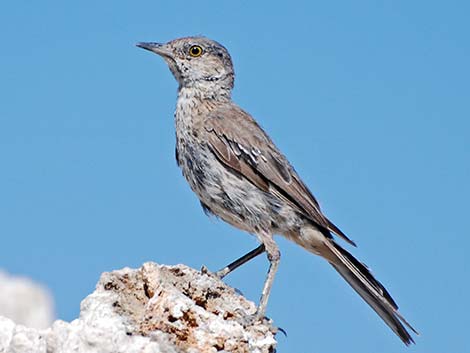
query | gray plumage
[240, 176]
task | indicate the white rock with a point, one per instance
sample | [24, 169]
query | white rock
[25, 302]
[154, 309]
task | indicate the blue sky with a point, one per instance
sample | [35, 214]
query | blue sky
[369, 100]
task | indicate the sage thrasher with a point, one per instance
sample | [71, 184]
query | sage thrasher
[240, 176]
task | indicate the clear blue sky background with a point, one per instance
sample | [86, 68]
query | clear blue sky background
[369, 100]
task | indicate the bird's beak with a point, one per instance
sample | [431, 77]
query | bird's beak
[156, 48]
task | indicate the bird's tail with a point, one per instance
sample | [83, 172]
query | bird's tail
[371, 290]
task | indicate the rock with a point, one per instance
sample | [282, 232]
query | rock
[154, 309]
[25, 302]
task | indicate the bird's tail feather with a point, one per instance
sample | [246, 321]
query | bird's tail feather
[371, 290]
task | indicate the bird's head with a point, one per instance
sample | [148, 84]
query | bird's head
[196, 61]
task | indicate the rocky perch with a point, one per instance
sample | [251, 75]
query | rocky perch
[153, 309]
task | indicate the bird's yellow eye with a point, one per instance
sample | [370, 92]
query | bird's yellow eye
[195, 51]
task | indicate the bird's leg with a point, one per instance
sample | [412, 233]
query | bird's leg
[274, 256]
[240, 261]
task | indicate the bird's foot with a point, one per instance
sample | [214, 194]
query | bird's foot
[254, 319]
[219, 274]
[206, 271]
[259, 318]
[247, 320]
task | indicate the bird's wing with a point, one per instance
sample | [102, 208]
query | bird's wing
[241, 144]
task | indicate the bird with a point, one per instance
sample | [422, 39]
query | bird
[241, 177]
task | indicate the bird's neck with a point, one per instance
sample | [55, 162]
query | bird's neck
[212, 88]
[195, 102]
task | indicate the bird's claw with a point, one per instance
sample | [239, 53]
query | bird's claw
[206, 271]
